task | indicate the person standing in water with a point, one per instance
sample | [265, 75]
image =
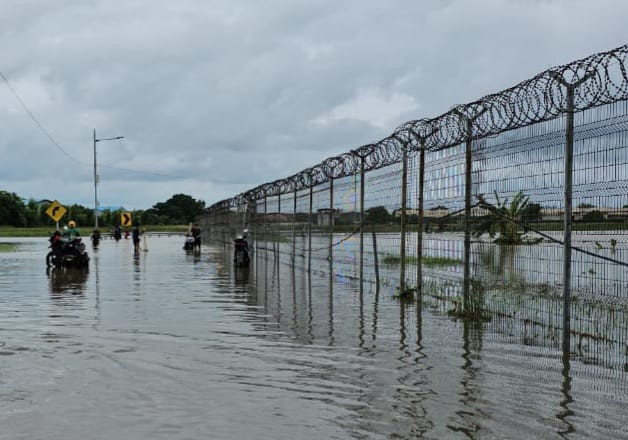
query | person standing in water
[135, 233]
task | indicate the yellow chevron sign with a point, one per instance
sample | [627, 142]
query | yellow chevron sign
[125, 219]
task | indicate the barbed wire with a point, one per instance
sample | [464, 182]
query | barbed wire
[602, 77]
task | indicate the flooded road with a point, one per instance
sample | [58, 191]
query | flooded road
[172, 345]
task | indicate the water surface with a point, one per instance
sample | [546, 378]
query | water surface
[176, 345]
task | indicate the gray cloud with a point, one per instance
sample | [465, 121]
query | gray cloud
[228, 95]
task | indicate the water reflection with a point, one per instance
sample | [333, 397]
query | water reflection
[314, 356]
[67, 280]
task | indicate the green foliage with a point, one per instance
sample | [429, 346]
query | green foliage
[377, 215]
[531, 213]
[180, 208]
[503, 218]
[594, 216]
[12, 209]
[8, 247]
[390, 260]
[586, 205]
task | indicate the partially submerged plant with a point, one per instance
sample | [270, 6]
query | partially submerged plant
[503, 218]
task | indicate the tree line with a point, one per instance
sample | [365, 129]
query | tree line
[178, 209]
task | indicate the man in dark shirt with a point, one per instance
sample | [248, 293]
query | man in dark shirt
[196, 233]
[135, 232]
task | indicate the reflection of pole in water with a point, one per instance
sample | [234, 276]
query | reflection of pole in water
[361, 322]
[294, 300]
[331, 302]
[566, 384]
[402, 326]
[277, 288]
[419, 321]
[310, 317]
[96, 261]
[375, 313]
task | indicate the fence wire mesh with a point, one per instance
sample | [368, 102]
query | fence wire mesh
[499, 162]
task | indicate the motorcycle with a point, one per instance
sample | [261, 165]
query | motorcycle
[66, 253]
[188, 244]
[241, 252]
[117, 233]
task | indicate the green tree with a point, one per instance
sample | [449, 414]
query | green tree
[377, 215]
[502, 218]
[180, 208]
[532, 213]
[594, 216]
[12, 210]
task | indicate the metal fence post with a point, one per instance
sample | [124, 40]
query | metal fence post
[419, 239]
[331, 217]
[265, 222]
[361, 223]
[294, 226]
[468, 189]
[404, 190]
[309, 229]
[568, 199]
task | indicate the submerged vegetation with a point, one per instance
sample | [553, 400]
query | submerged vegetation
[8, 247]
[391, 260]
[503, 219]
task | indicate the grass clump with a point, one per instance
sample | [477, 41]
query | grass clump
[407, 296]
[8, 247]
[392, 260]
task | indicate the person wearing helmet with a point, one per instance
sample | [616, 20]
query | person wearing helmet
[72, 232]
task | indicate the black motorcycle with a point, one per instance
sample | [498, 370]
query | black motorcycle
[241, 252]
[66, 253]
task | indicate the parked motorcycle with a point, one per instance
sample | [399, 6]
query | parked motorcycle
[66, 253]
[241, 252]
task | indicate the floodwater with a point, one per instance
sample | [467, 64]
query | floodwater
[173, 345]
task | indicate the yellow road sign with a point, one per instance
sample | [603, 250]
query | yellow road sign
[125, 219]
[56, 210]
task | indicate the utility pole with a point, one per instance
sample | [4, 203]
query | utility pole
[96, 178]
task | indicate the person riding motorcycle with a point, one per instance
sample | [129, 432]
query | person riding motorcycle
[72, 232]
[241, 253]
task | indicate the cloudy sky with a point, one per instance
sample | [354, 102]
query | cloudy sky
[214, 97]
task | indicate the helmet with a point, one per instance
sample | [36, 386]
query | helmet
[72, 224]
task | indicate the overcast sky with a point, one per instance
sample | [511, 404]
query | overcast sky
[215, 97]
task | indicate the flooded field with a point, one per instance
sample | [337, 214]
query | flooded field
[173, 345]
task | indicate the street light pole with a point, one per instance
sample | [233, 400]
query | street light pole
[96, 177]
[95, 186]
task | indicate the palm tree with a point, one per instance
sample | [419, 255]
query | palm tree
[503, 218]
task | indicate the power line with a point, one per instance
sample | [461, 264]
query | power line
[56, 144]
[34, 119]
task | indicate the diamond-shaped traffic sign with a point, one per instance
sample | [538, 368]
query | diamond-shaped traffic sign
[125, 219]
[56, 210]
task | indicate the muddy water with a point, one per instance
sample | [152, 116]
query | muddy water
[169, 345]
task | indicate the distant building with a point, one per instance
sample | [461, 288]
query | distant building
[323, 217]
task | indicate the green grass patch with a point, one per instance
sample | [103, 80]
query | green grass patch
[40, 231]
[8, 247]
[391, 260]
[277, 238]
[46, 231]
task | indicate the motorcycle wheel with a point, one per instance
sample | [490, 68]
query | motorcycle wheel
[51, 259]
